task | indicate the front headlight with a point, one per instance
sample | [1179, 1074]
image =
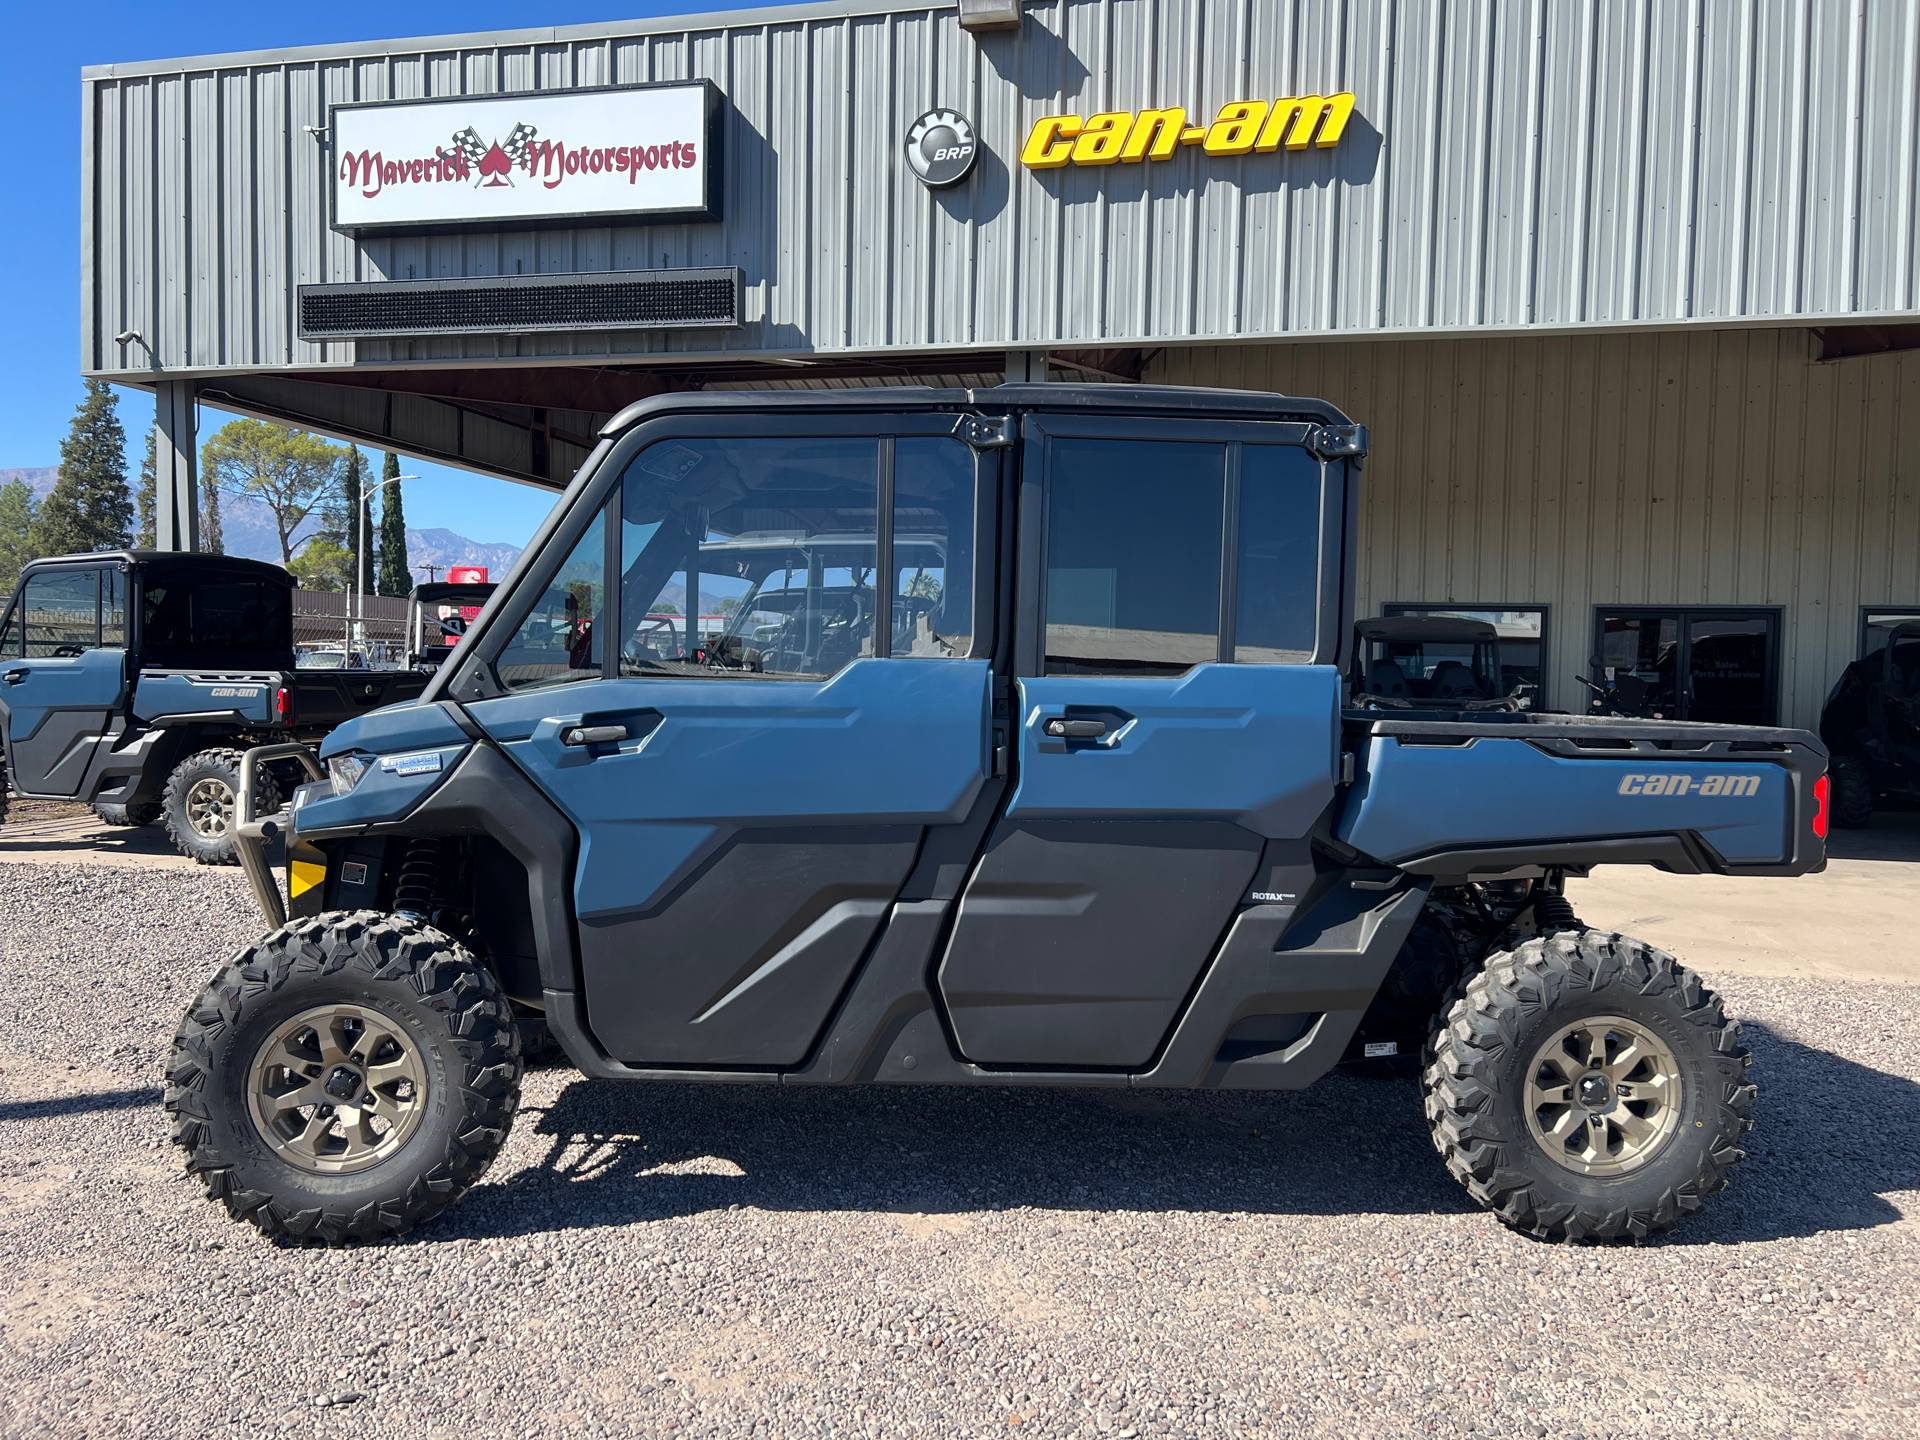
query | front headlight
[344, 771]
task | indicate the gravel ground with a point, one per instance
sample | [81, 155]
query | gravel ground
[746, 1261]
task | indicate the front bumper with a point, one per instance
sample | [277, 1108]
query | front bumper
[253, 833]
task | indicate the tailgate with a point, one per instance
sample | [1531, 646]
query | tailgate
[1478, 799]
[173, 695]
[323, 699]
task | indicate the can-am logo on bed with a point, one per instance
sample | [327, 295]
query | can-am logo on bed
[645, 151]
[1733, 786]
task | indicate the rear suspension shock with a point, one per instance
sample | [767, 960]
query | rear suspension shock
[1551, 909]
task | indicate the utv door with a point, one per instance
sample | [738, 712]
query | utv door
[62, 674]
[754, 725]
[1178, 708]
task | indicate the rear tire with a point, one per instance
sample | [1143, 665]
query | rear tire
[200, 800]
[1566, 1146]
[126, 815]
[1852, 796]
[295, 1055]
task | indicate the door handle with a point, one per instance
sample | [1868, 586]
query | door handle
[578, 735]
[14, 677]
[1061, 728]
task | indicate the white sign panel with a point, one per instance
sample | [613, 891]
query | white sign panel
[521, 160]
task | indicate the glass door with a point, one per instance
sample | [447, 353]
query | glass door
[1717, 666]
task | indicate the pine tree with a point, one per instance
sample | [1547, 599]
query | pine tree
[291, 472]
[147, 535]
[212, 540]
[395, 577]
[18, 511]
[90, 507]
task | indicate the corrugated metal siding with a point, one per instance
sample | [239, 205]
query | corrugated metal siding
[1684, 468]
[1538, 163]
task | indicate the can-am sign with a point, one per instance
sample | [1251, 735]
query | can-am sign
[646, 151]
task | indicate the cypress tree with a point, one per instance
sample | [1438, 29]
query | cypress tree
[90, 507]
[148, 497]
[395, 577]
[358, 529]
[212, 541]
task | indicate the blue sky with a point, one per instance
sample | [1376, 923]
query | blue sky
[40, 243]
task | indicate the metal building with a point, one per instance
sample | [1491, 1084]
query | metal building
[1628, 293]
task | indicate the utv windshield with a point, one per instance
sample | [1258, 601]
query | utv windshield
[192, 617]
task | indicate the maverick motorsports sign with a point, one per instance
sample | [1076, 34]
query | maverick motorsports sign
[1242, 127]
[645, 152]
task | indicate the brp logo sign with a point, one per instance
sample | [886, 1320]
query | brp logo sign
[941, 147]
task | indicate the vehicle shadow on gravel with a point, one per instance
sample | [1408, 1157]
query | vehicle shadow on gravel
[1833, 1137]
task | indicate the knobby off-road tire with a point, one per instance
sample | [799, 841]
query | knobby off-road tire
[127, 815]
[272, 1079]
[1852, 796]
[200, 800]
[1537, 1047]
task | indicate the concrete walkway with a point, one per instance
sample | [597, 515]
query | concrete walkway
[1857, 920]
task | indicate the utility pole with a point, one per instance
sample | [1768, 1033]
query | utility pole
[431, 570]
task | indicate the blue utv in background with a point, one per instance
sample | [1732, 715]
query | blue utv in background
[133, 680]
[1010, 747]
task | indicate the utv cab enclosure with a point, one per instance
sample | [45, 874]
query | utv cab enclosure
[982, 737]
[132, 680]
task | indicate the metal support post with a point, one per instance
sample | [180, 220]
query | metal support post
[1026, 367]
[176, 512]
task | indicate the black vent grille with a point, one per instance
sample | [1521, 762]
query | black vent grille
[511, 304]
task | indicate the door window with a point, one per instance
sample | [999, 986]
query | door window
[1133, 556]
[62, 611]
[10, 637]
[556, 643]
[1278, 570]
[933, 517]
[113, 607]
[753, 558]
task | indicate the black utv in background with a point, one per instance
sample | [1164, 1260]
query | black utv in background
[1871, 723]
[133, 680]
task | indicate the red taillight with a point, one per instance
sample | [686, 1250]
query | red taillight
[1820, 814]
[283, 702]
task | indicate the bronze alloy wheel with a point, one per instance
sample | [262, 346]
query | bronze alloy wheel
[210, 807]
[1603, 1096]
[337, 1089]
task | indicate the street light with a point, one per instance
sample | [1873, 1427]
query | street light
[360, 580]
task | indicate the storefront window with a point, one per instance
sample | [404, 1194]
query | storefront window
[1523, 644]
[1877, 625]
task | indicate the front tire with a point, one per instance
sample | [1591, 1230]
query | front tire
[201, 799]
[1587, 1086]
[347, 1078]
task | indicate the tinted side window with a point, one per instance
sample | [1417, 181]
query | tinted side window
[933, 514]
[1133, 556]
[1279, 555]
[191, 616]
[62, 612]
[555, 643]
[749, 558]
[10, 637]
[113, 607]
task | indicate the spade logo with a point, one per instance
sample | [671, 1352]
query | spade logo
[495, 161]
[494, 166]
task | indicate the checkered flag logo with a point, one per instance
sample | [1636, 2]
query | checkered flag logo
[519, 141]
[469, 144]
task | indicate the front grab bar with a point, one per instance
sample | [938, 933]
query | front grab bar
[251, 833]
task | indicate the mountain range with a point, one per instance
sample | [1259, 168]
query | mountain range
[247, 529]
